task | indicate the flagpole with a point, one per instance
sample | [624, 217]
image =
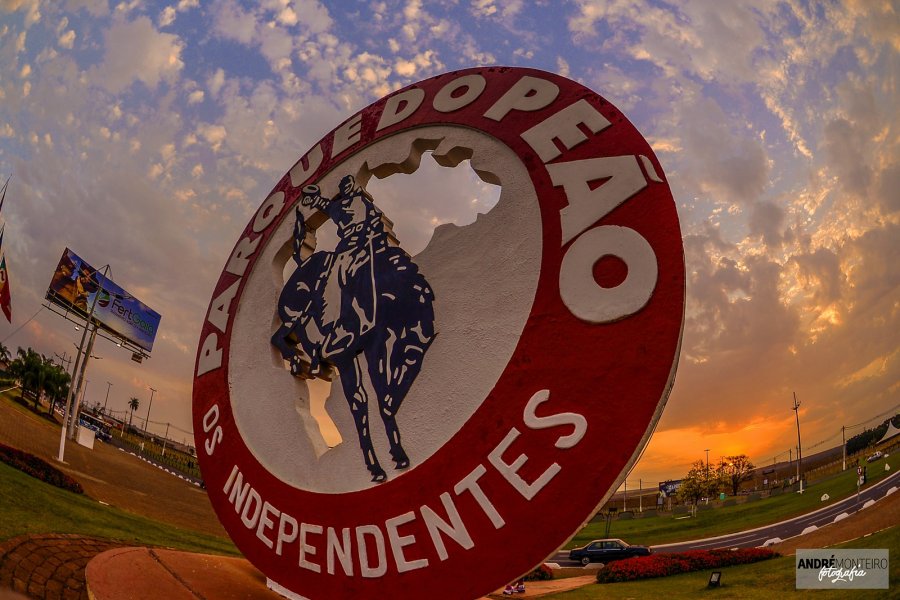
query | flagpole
[3, 192]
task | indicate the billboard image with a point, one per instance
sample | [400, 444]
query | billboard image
[668, 488]
[74, 285]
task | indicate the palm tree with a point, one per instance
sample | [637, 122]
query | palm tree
[5, 354]
[133, 404]
[16, 369]
[29, 369]
[56, 385]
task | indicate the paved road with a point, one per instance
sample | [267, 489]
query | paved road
[778, 531]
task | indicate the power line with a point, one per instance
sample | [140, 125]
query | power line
[878, 416]
[126, 411]
[22, 325]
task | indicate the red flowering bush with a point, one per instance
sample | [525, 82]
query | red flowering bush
[542, 573]
[38, 468]
[663, 565]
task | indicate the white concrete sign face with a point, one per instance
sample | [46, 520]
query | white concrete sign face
[515, 366]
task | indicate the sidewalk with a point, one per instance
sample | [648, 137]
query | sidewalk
[537, 589]
[151, 573]
[49, 566]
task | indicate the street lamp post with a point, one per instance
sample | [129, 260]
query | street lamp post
[707, 474]
[165, 439]
[108, 385]
[796, 408]
[83, 396]
[147, 421]
[844, 449]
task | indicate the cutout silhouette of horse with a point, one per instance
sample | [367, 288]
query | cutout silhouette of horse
[364, 309]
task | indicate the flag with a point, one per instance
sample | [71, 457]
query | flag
[5, 299]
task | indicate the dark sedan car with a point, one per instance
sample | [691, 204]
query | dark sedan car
[604, 551]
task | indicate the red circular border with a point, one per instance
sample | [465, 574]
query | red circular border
[617, 375]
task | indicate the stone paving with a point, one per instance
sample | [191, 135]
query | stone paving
[49, 566]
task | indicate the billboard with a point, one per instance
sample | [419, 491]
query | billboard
[73, 287]
[668, 488]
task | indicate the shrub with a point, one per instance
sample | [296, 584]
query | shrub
[663, 565]
[542, 573]
[38, 468]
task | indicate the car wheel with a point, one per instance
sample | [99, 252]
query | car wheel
[585, 560]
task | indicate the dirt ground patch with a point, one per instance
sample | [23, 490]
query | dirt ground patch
[112, 476]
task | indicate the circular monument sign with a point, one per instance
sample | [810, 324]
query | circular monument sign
[489, 393]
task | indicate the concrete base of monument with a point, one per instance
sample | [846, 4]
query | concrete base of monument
[152, 573]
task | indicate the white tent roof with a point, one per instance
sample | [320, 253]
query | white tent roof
[891, 432]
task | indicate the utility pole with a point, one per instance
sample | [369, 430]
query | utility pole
[799, 446]
[147, 421]
[63, 360]
[108, 385]
[625, 497]
[844, 447]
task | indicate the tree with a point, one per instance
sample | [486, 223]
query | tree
[56, 384]
[868, 437]
[5, 354]
[700, 482]
[38, 376]
[133, 404]
[734, 470]
[29, 368]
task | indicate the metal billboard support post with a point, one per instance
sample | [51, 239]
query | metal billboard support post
[79, 398]
[81, 357]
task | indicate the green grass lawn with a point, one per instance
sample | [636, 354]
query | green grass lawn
[765, 580]
[666, 529]
[28, 505]
[14, 398]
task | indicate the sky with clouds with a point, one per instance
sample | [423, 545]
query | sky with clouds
[145, 135]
